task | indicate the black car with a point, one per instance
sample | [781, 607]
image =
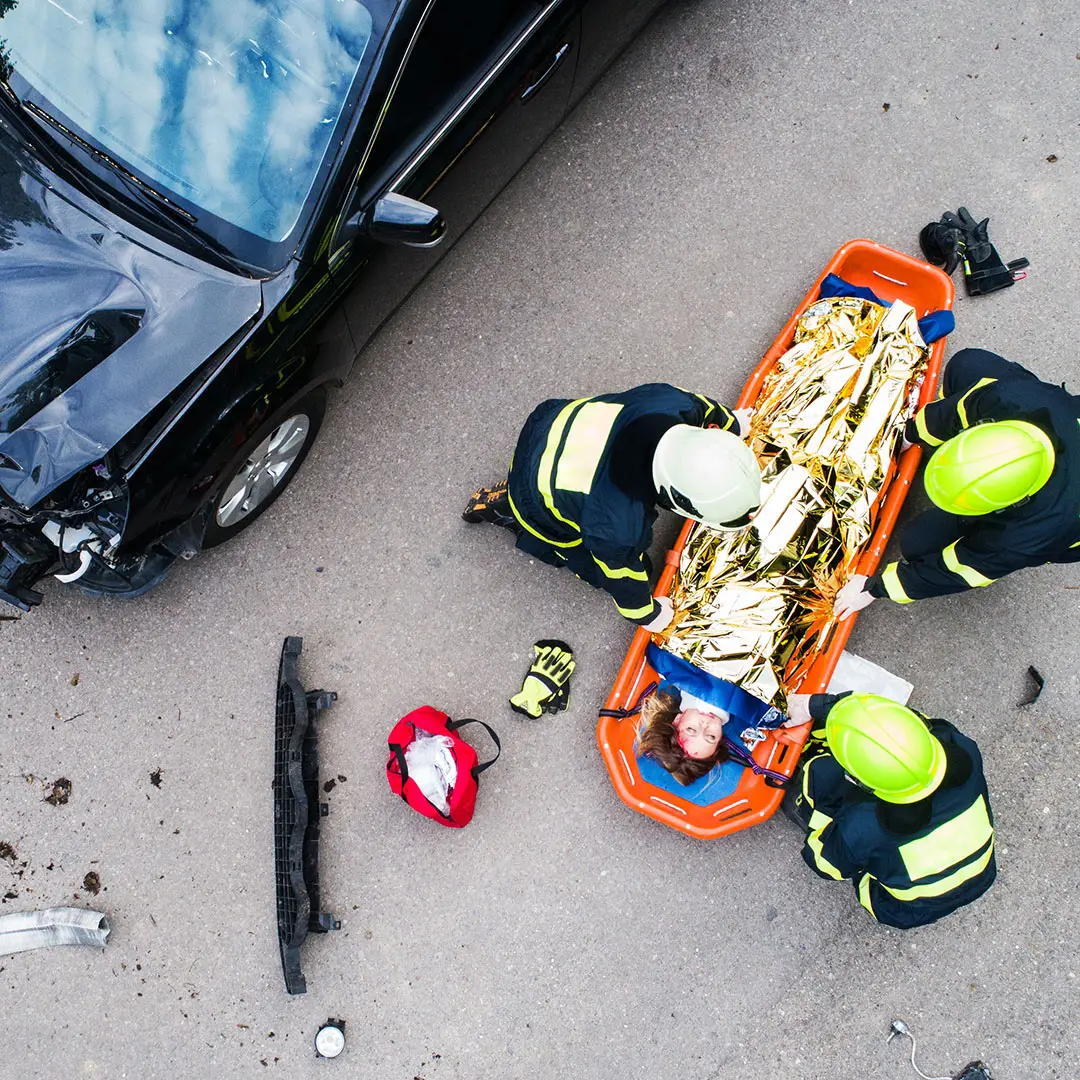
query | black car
[207, 207]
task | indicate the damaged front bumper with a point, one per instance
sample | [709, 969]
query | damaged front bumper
[78, 541]
[297, 812]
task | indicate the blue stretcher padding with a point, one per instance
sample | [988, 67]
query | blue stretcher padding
[718, 783]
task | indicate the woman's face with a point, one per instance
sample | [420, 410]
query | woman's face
[699, 733]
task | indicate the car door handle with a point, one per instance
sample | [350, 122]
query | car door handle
[533, 88]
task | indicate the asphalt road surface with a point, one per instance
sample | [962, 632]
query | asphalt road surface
[664, 232]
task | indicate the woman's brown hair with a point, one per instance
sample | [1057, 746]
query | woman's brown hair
[659, 740]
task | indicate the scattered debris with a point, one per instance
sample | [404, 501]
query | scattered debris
[7, 851]
[155, 777]
[973, 1070]
[75, 679]
[61, 792]
[1052, 158]
[92, 883]
[68, 719]
[54, 926]
[885, 107]
[1038, 682]
[332, 783]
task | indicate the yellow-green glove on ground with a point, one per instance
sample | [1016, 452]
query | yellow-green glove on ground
[547, 684]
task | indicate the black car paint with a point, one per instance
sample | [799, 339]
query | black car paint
[165, 416]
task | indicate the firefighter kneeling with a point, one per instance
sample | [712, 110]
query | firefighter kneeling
[894, 802]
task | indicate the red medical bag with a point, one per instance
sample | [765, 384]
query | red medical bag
[461, 797]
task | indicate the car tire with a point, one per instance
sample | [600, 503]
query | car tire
[258, 476]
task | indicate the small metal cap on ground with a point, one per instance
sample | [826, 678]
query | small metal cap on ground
[330, 1039]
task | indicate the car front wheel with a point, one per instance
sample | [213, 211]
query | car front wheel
[273, 457]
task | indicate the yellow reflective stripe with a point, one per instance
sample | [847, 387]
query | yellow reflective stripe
[813, 841]
[621, 571]
[968, 573]
[818, 820]
[547, 461]
[635, 613]
[711, 406]
[946, 884]
[891, 580]
[949, 843]
[961, 411]
[864, 892]
[923, 431]
[585, 442]
[539, 535]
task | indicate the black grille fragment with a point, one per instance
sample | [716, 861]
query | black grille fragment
[297, 812]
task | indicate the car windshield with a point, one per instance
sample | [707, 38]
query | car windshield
[229, 104]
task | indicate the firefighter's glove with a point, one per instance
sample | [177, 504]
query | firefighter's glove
[547, 683]
[852, 597]
[743, 418]
[984, 270]
[943, 242]
[662, 618]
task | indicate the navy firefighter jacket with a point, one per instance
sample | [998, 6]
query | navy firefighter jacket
[903, 879]
[981, 386]
[581, 484]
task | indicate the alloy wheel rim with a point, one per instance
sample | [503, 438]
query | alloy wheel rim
[263, 471]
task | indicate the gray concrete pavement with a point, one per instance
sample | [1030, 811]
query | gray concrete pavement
[664, 232]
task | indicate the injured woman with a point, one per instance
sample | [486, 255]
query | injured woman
[696, 728]
[682, 733]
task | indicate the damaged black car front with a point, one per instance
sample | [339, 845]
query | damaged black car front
[91, 324]
[160, 175]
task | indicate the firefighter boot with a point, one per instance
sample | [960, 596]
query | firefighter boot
[491, 504]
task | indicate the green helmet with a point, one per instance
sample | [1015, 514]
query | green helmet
[886, 747]
[989, 466]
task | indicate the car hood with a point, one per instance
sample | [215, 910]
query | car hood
[70, 388]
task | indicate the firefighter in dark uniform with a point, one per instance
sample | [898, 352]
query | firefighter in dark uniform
[1004, 478]
[895, 803]
[587, 476]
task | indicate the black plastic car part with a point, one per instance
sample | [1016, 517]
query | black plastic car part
[25, 557]
[297, 812]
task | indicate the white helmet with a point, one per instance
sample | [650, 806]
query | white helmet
[707, 474]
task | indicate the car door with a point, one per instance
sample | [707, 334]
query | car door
[483, 83]
[607, 27]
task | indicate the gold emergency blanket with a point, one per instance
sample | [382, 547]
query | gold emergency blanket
[755, 607]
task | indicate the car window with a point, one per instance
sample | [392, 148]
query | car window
[229, 104]
[458, 42]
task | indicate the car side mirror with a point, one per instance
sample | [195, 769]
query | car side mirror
[397, 219]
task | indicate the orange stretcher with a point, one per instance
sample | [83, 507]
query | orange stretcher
[892, 276]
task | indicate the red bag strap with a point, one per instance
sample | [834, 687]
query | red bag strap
[403, 769]
[453, 725]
